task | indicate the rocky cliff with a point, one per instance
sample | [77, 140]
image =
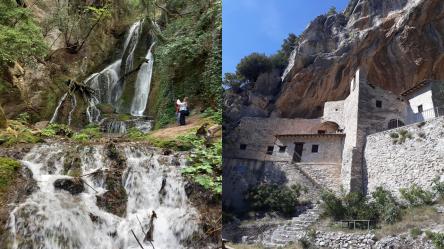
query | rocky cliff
[399, 42]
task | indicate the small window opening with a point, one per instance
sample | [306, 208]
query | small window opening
[243, 146]
[379, 103]
[420, 109]
[336, 110]
[321, 132]
[314, 148]
[282, 149]
[270, 150]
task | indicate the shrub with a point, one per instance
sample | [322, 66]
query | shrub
[273, 197]
[387, 207]
[24, 118]
[402, 136]
[415, 232]
[438, 187]
[56, 129]
[216, 116]
[358, 207]
[422, 135]
[205, 162]
[8, 167]
[80, 137]
[416, 196]
[436, 238]
[332, 206]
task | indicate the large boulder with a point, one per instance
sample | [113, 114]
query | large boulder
[72, 185]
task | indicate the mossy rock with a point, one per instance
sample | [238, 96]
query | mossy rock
[8, 169]
[105, 108]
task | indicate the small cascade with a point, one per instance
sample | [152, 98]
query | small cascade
[116, 126]
[131, 43]
[56, 112]
[56, 219]
[143, 84]
[74, 105]
[92, 112]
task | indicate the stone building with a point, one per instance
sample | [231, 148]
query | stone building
[331, 149]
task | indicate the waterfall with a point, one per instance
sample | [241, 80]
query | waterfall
[143, 84]
[54, 219]
[56, 112]
[131, 44]
[92, 112]
[74, 105]
[290, 66]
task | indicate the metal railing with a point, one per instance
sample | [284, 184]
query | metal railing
[425, 115]
[356, 224]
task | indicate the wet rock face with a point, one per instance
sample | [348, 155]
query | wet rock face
[73, 185]
[3, 123]
[115, 199]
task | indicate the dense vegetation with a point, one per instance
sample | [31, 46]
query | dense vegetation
[21, 38]
[272, 197]
[383, 207]
[188, 59]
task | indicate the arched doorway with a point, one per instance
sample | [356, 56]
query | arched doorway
[395, 123]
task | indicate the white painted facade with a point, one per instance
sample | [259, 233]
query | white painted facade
[420, 105]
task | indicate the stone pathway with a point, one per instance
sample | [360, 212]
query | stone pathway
[293, 231]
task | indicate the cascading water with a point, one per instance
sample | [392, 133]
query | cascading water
[54, 219]
[143, 84]
[108, 86]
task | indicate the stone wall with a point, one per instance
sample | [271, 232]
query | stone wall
[334, 112]
[416, 161]
[240, 175]
[328, 176]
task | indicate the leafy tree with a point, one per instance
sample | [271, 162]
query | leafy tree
[251, 66]
[20, 38]
[332, 11]
[273, 197]
[289, 44]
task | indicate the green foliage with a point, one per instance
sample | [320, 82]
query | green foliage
[438, 187]
[216, 116]
[273, 197]
[23, 118]
[289, 44]
[20, 37]
[188, 59]
[415, 232]
[100, 13]
[88, 133]
[205, 164]
[332, 11]
[8, 168]
[386, 206]
[332, 205]
[416, 196]
[56, 130]
[251, 66]
[232, 80]
[437, 239]
[401, 136]
[136, 134]
[18, 133]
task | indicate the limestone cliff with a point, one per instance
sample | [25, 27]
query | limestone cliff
[399, 42]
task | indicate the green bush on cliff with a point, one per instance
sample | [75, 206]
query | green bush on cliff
[88, 133]
[8, 168]
[205, 164]
[416, 196]
[20, 37]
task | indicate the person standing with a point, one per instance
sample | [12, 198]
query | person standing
[183, 110]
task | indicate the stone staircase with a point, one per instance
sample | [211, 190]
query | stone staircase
[293, 231]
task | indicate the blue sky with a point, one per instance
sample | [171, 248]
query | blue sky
[261, 25]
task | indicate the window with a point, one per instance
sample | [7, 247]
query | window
[243, 146]
[282, 149]
[395, 123]
[321, 132]
[270, 150]
[314, 148]
[379, 103]
[420, 109]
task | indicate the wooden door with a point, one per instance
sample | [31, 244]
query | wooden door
[297, 154]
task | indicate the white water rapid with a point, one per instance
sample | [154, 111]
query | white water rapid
[143, 83]
[55, 219]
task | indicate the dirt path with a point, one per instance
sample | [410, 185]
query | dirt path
[192, 123]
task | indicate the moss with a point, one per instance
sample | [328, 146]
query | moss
[124, 117]
[3, 122]
[8, 170]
